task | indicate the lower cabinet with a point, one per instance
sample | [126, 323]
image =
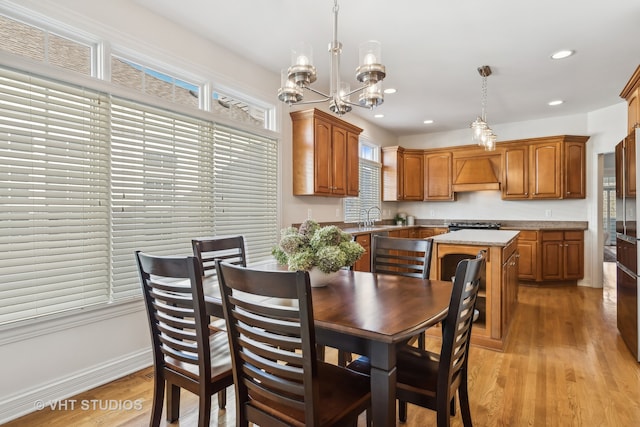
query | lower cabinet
[528, 249]
[551, 255]
[364, 263]
[562, 255]
[498, 294]
[510, 268]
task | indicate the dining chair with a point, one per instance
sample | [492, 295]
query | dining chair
[227, 248]
[429, 379]
[185, 353]
[402, 257]
[278, 379]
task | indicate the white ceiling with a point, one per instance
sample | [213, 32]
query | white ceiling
[432, 49]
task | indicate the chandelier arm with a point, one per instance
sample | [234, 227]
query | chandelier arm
[327, 97]
[360, 89]
[312, 101]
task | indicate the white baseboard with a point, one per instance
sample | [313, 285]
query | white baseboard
[63, 388]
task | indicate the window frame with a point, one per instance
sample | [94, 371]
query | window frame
[371, 165]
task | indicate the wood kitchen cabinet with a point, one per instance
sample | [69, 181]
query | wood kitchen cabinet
[498, 293]
[325, 155]
[562, 255]
[402, 174]
[426, 232]
[631, 93]
[510, 267]
[528, 251]
[544, 168]
[626, 176]
[438, 176]
[364, 263]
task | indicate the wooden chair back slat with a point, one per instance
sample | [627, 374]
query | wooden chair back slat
[400, 256]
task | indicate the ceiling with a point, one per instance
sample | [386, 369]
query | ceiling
[432, 49]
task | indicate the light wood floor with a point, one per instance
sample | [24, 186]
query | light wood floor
[564, 365]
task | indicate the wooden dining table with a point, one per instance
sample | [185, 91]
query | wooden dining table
[368, 314]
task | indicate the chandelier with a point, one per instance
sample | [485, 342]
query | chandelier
[482, 133]
[297, 78]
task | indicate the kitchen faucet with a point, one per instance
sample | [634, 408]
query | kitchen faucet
[372, 222]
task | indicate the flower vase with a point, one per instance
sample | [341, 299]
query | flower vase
[319, 278]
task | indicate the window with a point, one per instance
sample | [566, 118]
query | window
[245, 180]
[240, 110]
[41, 45]
[54, 227]
[356, 208]
[87, 178]
[146, 80]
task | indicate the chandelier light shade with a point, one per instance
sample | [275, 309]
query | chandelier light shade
[481, 132]
[301, 74]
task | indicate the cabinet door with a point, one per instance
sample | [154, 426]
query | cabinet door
[339, 161]
[544, 165]
[323, 163]
[515, 182]
[509, 290]
[413, 176]
[353, 165]
[528, 250]
[437, 176]
[552, 260]
[573, 255]
[630, 165]
[575, 174]
[364, 263]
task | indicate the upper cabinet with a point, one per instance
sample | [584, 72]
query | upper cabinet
[631, 93]
[325, 155]
[438, 176]
[626, 176]
[402, 174]
[544, 168]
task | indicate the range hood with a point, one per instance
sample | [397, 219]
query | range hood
[476, 173]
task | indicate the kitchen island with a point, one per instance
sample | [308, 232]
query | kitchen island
[498, 294]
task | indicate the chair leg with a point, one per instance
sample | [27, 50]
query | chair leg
[402, 411]
[173, 402]
[222, 398]
[463, 395]
[422, 341]
[204, 410]
[320, 351]
[442, 412]
[158, 398]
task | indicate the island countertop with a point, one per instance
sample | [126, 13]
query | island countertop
[478, 237]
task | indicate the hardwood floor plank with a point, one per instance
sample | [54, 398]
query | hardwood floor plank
[565, 364]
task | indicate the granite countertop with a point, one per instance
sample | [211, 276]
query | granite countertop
[504, 226]
[477, 237]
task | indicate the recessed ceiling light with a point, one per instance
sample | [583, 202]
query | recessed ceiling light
[428, 122]
[561, 54]
[379, 116]
[556, 102]
[390, 90]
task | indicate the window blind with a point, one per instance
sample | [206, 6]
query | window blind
[53, 197]
[161, 186]
[245, 182]
[355, 208]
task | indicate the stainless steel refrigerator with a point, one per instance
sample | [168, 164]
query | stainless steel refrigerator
[627, 242]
